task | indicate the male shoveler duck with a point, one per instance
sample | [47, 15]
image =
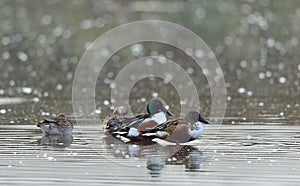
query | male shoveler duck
[132, 128]
[181, 130]
[58, 125]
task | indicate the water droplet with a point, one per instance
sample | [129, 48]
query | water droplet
[12, 83]
[137, 49]
[228, 40]
[112, 85]
[169, 54]
[268, 74]
[98, 111]
[26, 90]
[87, 45]
[86, 24]
[190, 70]
[155, 94]
[45, 94]
[69, 75]
[205, 71]
[162, 59]
[42, 38]
[189, 51]
[249, 93]
[49, 51]
[168, 76]
[57, 31]
[67, 34]
[149, 61]
[243, 64]
[50, 158]
[5, 55]
[242, 90]
[154, 53]
[106, 102]
[36, 99]
[281, 66]
[261, 75]
[110, 74]
[58, 86]
[45, 113]
[199, 53]
[2, 111]
[22, 56]
[282, 80]
[270, 42]
[47, 19]
[5, 40]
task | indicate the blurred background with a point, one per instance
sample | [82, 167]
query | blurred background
[255, 42]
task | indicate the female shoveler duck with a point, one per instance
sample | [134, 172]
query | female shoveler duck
[181, 130]
[113, 122]
[58, 125]
[132, 128]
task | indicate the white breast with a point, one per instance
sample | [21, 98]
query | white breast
[198, 130]
[159, 118]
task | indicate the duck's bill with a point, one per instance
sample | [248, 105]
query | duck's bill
[168, 112]
[202, 120]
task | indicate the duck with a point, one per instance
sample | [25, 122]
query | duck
[132, 128]
[180, 130]
[58, 125]
[113, 122]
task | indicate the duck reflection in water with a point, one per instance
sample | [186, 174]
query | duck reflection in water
[155, 164]
[56, 140]
[189, 156]
[157, 156]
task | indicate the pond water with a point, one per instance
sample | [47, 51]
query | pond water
[257, 149]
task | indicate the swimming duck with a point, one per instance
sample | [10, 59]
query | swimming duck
[181, 130]
[133, 127]
[113, 122]
[58, 125]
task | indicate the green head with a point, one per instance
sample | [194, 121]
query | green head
[154, 106]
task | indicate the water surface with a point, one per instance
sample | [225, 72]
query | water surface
[265, 150]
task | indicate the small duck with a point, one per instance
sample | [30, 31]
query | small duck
[58, 125]
[134, 127]
[112, 122]
[181, 130]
